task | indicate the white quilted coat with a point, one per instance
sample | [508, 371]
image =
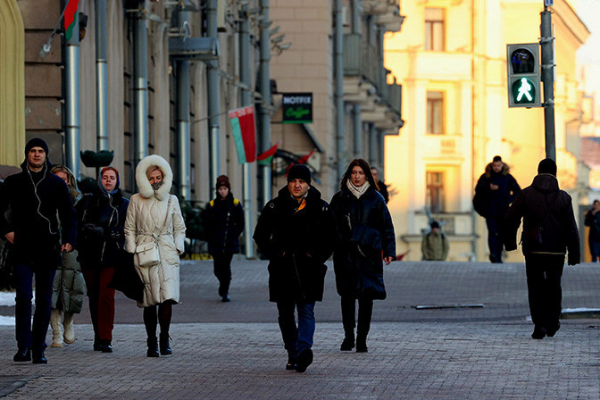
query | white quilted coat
[145, 222]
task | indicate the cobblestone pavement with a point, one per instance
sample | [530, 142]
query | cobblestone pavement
[234, 351]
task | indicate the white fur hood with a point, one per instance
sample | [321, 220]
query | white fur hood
[143, 183]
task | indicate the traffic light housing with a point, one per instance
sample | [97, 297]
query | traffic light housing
[523, 73]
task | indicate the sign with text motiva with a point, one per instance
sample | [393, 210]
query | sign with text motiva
[297, 108]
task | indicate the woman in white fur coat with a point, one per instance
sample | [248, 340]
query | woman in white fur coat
[155, 215]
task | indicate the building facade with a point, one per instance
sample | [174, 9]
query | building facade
[451, 62]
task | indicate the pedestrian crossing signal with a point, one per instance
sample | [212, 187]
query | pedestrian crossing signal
[523, 75]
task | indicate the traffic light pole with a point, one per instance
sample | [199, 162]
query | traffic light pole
[548, 79]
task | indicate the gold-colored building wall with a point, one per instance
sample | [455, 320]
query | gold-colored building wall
[471, 72]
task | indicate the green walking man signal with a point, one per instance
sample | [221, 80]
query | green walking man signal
[523, 75]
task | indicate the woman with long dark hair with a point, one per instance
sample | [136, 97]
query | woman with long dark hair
[366, 240]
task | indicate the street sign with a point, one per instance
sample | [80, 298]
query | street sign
[297, 108]
[523, 75]
[548, 3]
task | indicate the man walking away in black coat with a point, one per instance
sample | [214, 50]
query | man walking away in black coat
[382, 187]
[296, 233]
[35, 198]
[549, 230]
[495, 191]
[592, 219]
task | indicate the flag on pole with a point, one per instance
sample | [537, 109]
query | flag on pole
[69, 18]
[304, 159]
[244, 133]
[266, 157]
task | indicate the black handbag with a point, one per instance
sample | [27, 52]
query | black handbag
[126, 279]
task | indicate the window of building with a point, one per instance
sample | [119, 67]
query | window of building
[434, 29]
[435, 192]
[435, 113]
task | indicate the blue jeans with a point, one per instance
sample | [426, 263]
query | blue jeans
[595, 250]
[296, 338]
[34, 338]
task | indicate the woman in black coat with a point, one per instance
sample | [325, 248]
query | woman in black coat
[225, 224]
[101, 249]
[366, 239]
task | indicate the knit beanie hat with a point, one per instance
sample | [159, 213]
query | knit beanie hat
[547, 166]
[435, 224]
[299, 171]
[223, 180]
[36, 142]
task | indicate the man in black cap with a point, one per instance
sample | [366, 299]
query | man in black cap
[34, 197]
[434, 245]
[549, 230]
[296, 233]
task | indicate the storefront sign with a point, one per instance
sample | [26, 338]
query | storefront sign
[297, 108]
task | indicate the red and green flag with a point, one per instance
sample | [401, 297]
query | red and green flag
[266, 157]
[244, 133]
[69, 18]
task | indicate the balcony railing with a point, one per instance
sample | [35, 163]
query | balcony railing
[363, 59]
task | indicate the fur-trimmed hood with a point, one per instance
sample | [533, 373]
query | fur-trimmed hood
[143, 183]
[505, 169]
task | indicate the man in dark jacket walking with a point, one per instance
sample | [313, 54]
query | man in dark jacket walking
[592, 219]
[296, 233]
[35, 197]
[495, 191]
[549, 229]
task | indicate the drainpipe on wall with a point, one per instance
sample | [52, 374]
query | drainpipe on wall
[373, 138]
[140, 85]
[339, 88]
[381, 168]
[357, 132]
[101, 77]
[72, 102]
[183, 115]
[213, 99]
[246, 101]
[264, 137]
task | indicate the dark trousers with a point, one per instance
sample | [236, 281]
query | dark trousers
[102, 301]
[595, 250]
[28, 336]
[296, 338]
[495, 238]
[544, 272]
[365, 310]
[223, 271]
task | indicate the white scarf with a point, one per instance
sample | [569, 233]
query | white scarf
[357, 191]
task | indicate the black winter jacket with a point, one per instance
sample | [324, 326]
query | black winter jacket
[366, 237]
[297, 244]
[225, 224]
[548, 221]
[494, 203]
[102, 240]
[593, 221]
[35, 200]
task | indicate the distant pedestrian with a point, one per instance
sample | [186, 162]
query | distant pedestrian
[495, 191]
[592, 219]
[225, 224]
[367, 239]
[435, 245]
[102, 242]
[381, 187]
[42, 211]
[296, 232]
[549, 230]
[155, 226]
[69, 285]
